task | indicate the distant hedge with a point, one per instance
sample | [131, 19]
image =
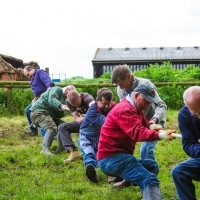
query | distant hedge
[171, 95]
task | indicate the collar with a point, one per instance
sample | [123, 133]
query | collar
[130, 100]
[135, 83]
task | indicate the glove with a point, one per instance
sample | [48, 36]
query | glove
[166, 134]
[176, 135]
[156, 127]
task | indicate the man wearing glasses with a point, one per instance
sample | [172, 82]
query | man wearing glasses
[189, 125]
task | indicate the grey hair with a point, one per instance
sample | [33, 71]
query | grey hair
[190, 93]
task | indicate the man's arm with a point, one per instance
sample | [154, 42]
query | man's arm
[121, 93]
[45, 78]
[189, 129]
[77, 117]
[160, 108]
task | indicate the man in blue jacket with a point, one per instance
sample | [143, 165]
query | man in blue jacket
[189, 125]
[90, 130]
[40, 82]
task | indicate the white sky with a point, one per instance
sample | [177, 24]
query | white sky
[64, 35]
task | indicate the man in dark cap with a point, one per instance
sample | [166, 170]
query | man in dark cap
[124, 126]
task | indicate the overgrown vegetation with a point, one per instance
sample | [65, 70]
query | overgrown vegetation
[171, 94]
[26, 174]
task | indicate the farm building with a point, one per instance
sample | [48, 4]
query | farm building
[105, 59]
[11, 69]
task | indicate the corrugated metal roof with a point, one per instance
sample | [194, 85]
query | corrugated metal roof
[145, 53]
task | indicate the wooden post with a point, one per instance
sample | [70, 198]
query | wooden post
[9, 98]
[47, 70]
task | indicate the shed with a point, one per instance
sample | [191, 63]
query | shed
[105, 59]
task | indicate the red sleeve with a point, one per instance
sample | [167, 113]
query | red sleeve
[135, 125]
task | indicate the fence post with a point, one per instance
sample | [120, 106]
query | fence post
[9, 97]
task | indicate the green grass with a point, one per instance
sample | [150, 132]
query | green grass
[25, 174]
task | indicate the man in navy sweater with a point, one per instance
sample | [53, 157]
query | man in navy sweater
[90, 130]
[40, 82]
[189, 125]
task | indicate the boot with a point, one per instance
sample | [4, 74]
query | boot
[151, 193]
[74, 154]
[91, 173]
[31, 133]
[47, 142]
[114, 179]
[46, 152]
[122, 184]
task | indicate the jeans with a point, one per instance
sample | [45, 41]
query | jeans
[183, 174]
[35, 130]
[29, 118]
[147, 150]
[141, 172]
[88, 150]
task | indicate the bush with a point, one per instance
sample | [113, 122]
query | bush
[171, 95]
[14, 102]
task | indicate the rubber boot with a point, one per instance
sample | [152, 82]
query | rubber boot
[47, 142]
[151, 193]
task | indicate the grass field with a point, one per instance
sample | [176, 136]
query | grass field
[25, 174]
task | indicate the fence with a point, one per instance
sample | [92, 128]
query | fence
[26, 84]
[172, 95]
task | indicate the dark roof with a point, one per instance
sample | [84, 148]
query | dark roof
[146, 53]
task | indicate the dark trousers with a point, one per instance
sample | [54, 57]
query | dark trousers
[64, 134]
[183, 175]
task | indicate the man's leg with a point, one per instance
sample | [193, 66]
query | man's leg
[147, 150]
[89, 154]
[183, 174]
[44, 120]
[128, 167]
[33, 131]
[65, 131]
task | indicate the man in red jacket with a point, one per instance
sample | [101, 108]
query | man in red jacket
[124, 126]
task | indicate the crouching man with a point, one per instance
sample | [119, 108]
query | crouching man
[90, 130]
[124, 126]
[46, 113]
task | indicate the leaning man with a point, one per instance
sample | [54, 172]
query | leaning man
[189, 125]
[124, 126]
[46, 113]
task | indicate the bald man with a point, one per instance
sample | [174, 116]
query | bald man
[189, 126]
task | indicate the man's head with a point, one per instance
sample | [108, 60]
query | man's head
[104, 98]
[67, 89]
[191, 98]
[122, 76]
[29, 72]
[143, 96]
[74, 98]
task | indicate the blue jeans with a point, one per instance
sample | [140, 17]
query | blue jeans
[88, 151]
[35, 130]
[147, 150]
[141, 172]
[183, 174]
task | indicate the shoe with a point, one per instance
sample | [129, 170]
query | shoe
[46, 152]
[91, 173]
[59, 150]
[31, 133]
[74, 155]
[122, 184]
[114, 179]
